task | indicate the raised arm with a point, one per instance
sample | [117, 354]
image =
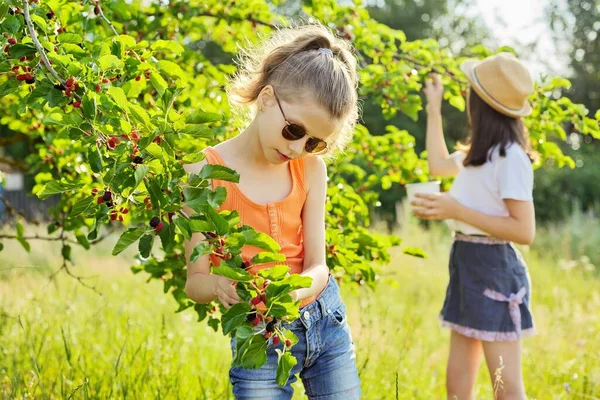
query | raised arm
[441, 163]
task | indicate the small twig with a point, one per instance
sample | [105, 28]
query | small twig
[13, 163]
[37, 43]
[239, 19]
[15, 211]
[101, 13]
[13, 139]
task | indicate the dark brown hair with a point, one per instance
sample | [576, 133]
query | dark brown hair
[488, 129]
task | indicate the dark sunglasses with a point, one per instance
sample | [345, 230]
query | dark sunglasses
[296, 132]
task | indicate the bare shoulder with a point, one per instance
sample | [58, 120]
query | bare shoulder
[196, 167]
[315, 171]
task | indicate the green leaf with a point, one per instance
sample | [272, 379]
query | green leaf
[184, 226]
[254, 352]
[172, 70]
[119, 97]
[94, 159]
[200, 250]
[145, 245]
[8, 87]
[140, 115]
[140, 173]
[284, 367]
[221, 225]
[217, 197]
[167, 237]
[155, 151]
[73, 49]
[127, 238]
[89, 106]
[457, 102]
[198, 131]
[21, 238]
[36, 19]
[220, 172]
[234, 317]
[159, 83]
[70, 38]
[54, 187]
[66, 252]
[261, 240]
[82, 239]
[264, 258]
[81, 206]
[20, 50]
[275, 273]
[201, 117]
[415, 252]
[167, 45]
[234, 274]
[109, 61]
[196, 198]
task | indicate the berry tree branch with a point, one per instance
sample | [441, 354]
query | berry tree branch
[13, 163]
[15, 211]
[101, 14]
[47, 64]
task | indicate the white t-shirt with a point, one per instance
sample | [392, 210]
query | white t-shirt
[483, 188]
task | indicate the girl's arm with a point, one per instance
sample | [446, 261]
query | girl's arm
[200, 285]
[518, 227]
[441, 163]
[313, 222]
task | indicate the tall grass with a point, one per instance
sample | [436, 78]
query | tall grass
[60, 340]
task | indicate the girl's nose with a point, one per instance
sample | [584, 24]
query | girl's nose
[297, 146]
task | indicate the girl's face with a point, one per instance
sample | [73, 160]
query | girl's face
[316, 122]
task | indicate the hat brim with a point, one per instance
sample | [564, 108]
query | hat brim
[468, 67]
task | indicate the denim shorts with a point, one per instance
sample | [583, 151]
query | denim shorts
[325, 354]
[489, 293]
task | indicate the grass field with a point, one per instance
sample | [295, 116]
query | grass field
[60, 340]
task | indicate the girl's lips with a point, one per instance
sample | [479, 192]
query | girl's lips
[283, 156]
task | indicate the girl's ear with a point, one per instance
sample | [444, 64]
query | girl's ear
[265, 97]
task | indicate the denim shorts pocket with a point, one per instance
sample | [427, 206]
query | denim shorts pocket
[338, 316]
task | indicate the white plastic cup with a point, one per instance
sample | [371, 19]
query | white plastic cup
[422, 187]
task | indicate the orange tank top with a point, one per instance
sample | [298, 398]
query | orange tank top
[282, 220]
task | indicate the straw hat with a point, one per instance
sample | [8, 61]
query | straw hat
[503, 82]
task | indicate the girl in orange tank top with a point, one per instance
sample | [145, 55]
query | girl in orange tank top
[301, 83]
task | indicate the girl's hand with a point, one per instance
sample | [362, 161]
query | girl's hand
[434, 90]
[225, 292]
[437, 206]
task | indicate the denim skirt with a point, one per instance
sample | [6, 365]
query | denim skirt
[489, 293]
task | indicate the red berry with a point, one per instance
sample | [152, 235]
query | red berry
[135, 136]
[276, 339]
[6, 48]
[137, 78]
[159, 227]
[255, 300]
[113, 216]
[94, 191]
[288, 342]
[12, 40]
[17, 11]
[121, 218]
[76, 104]
[15, 68]
[157, 140]
[70, 82]
[124, 210]
[256, 321]
[171, 214]
[267, 335]
[21, 77]
[55, 49]
[96, 10]
[68, 92]
[147, 199]
[100, 200]
[98, 88]
[105, 80]
[76, 86]
[23, 59]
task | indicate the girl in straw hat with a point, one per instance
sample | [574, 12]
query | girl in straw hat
[489, 206]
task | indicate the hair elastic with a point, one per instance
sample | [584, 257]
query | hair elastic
[325, 51]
